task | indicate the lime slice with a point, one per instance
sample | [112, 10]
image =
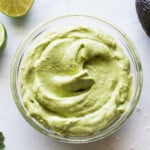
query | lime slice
[15, 8]
[3, 37]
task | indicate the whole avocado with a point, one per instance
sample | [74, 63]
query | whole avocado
[143, 11]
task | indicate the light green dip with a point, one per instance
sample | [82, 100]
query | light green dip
[76, 81]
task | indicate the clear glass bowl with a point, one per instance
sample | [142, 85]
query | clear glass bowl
[121, 39]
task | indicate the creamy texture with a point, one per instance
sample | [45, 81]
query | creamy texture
[76, 81]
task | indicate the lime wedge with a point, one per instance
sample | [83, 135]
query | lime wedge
[15, 8]
[3, 37]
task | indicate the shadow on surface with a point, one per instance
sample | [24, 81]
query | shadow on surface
[1, 58]
[21, 21]
[105, 144]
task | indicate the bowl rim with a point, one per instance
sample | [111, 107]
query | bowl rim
[14, 72]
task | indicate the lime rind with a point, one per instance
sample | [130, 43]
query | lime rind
[3, 36]
[15, 8]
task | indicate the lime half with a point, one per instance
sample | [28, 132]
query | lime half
[3, 37]
[15, 8]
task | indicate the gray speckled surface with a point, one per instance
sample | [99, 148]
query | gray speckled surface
[135, 133]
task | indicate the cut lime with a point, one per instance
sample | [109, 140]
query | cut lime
[15, 8]
[3, 36]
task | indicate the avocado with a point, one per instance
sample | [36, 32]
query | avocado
[143, 12]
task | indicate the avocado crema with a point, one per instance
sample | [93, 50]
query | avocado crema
[75, 81]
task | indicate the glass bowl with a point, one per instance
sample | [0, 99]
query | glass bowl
[92, 22]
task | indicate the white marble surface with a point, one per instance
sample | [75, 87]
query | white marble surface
[134, 135]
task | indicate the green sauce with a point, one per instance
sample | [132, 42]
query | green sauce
[76, 81]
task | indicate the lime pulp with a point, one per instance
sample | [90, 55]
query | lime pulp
[3, 37]
[15, 8]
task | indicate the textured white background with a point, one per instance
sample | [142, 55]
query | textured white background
[134, 135]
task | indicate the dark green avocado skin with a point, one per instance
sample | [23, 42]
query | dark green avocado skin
[143, 12]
